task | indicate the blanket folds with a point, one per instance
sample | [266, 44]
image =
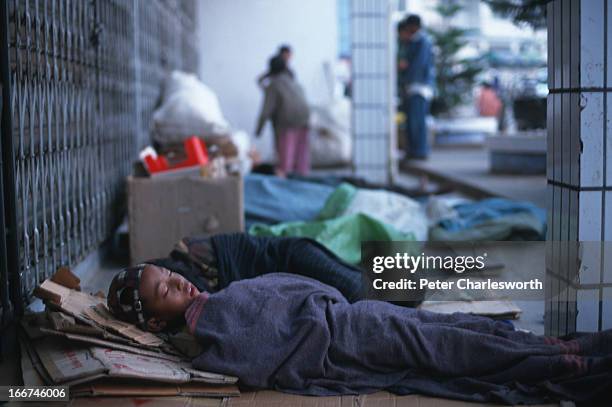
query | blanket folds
[297, 335]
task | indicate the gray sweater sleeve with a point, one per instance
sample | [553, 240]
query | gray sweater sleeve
[268, 108]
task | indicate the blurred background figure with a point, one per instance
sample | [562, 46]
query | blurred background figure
[489, 103]
[285, 53]
[416, 81]
[286, 107]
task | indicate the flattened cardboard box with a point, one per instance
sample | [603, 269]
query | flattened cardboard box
[68, 363]
[73, 347]
[146, 402]
[268, 398]
[35, 374]
[164, 210]
[91, 309]
[113, 387]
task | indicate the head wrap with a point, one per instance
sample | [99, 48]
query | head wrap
[124, 298]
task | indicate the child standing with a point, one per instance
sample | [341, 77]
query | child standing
[286, 107]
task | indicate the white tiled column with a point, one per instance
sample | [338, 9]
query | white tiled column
[373, 89]
[579, 166]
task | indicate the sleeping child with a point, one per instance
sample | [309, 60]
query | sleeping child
[213, 262]
[295, 334]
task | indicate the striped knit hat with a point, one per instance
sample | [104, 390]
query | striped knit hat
[124, 298]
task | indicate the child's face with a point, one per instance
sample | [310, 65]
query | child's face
[166, 295]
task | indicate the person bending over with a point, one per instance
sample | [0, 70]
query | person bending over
[295, 334]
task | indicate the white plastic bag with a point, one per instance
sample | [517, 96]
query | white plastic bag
[243, 144]
[189, 108]
[330, 135]
[405, 214]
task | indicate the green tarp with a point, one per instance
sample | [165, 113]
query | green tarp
[342, 235]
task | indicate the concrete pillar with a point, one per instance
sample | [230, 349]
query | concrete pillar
[373, 87]
[579, 170]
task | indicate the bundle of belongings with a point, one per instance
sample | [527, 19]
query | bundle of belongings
[189, 107]
[339, 218]
[341, 215]
[77, 342]
[330, 133]
[488, 219]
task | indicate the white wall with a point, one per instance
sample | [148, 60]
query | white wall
[238, 37]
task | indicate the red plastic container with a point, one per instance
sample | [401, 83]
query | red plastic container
[195, 150]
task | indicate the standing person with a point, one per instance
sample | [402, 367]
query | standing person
[286, 107]
[284, 51]
[416, 79]
[489, 103]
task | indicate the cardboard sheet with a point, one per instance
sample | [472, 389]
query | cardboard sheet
[57, 323]
[501, 309]
[72, 363]
[123, 364]
[112, 345]
[119, 387]
[30, 374]
[113, 387]
[147, 402]
[64, 277]
[71, 301]
[67, 363]
[88, 307]
[379, 399]
[102, 316]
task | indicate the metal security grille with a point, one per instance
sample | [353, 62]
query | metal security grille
[5, 303]
[81, 78]
[165, 40]
[372, 85]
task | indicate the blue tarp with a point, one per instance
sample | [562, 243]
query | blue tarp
[493, 219]
[270, 200]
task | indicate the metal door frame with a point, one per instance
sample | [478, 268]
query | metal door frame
[10, 287]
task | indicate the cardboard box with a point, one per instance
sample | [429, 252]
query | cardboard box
[164, 210]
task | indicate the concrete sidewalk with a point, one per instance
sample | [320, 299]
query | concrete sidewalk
[467, 170]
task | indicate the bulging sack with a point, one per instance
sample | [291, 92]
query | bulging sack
[189, 108]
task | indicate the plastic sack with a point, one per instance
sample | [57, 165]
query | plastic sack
[405, 214]
[188, 108]
[242, 142]
[330, 135]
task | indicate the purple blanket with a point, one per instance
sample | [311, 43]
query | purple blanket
[297, 335]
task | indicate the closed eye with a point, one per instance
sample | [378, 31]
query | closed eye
[167, 287]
